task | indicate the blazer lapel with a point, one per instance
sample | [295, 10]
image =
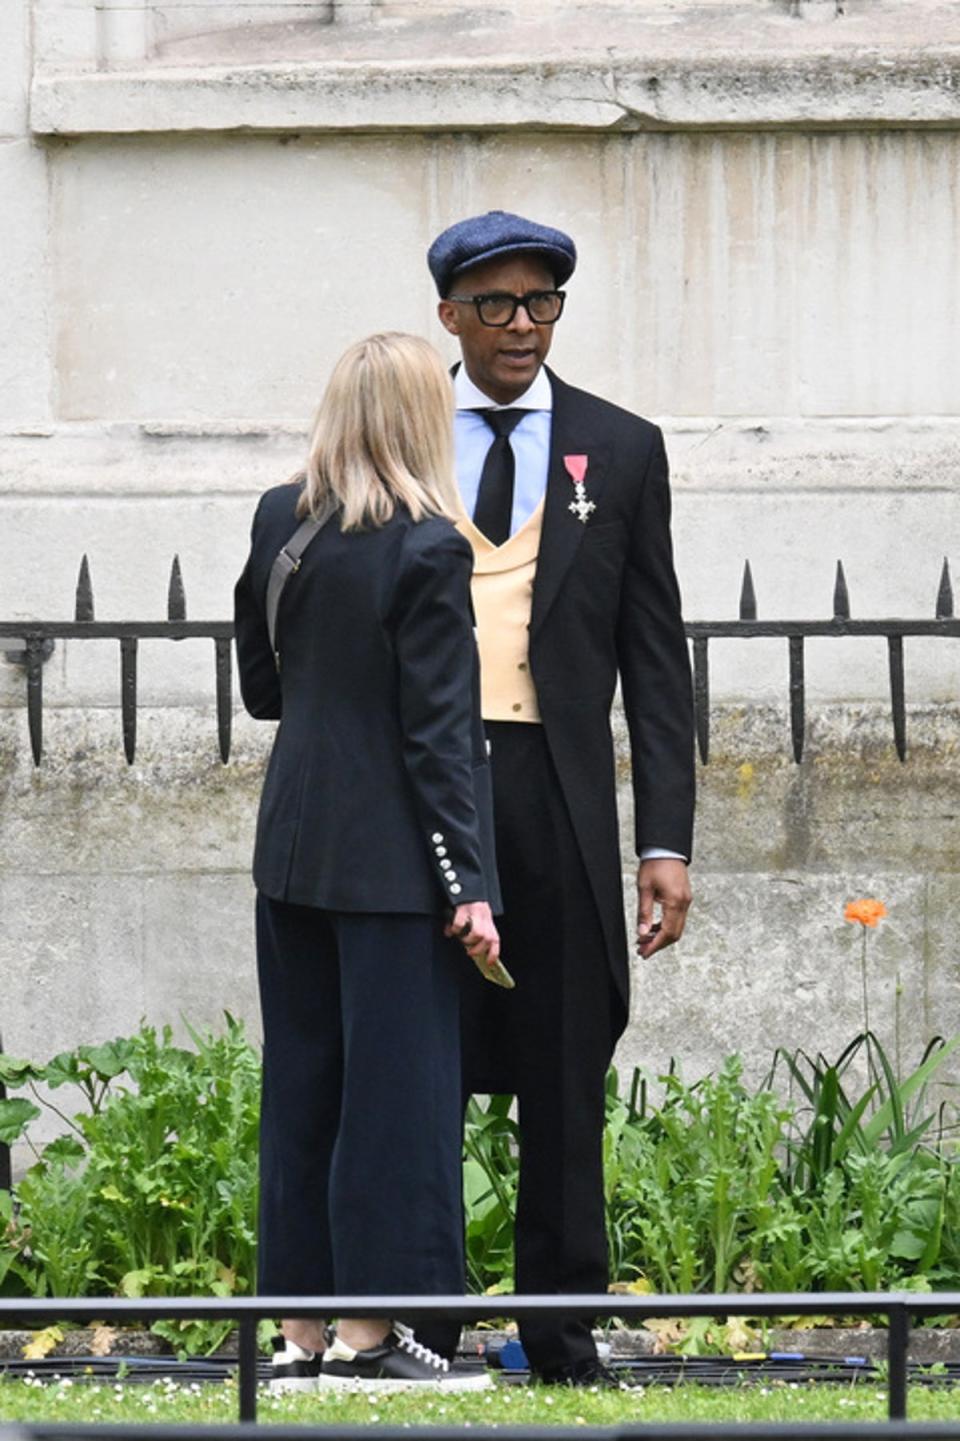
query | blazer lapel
[562, 530]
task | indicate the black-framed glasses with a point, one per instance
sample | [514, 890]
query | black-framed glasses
[498, 307]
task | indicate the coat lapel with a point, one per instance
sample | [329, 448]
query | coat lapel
[562, 531]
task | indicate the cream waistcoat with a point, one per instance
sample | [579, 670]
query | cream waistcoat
[502, 598]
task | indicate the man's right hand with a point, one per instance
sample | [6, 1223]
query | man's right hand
[473, 926]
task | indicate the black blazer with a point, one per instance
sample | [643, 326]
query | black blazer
[606, 604]
[377, 796]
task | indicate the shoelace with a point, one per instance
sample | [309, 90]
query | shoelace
[409, 1342]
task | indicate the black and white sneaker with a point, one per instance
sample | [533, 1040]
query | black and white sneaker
[294, 1369]
[398, 1363]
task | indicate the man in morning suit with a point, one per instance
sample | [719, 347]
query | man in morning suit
[569, 518]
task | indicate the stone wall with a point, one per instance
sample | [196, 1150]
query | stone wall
[125, 889]
[203, 209]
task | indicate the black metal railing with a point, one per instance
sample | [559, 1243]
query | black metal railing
[748, 627]
[899, 1308]
[6, 1170]
[387, 1431]
[37, 638]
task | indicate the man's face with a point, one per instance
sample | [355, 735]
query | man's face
[501, 360]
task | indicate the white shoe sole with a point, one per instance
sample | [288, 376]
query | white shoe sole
[289, 1385]
[481, 1382]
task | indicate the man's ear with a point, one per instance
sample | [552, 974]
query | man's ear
[449, 316]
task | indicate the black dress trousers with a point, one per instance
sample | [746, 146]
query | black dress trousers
[550, 1041]
[361, 1102]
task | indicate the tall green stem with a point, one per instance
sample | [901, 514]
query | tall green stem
[871, 1065]
[897, 1019]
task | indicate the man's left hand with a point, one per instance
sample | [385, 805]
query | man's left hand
[662, 883]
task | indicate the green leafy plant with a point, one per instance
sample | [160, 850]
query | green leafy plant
[849, 1182]
[152, 1190]
[490, 1173]
[831, 1126]
[691, 1176]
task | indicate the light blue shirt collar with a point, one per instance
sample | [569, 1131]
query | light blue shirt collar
[539, 396]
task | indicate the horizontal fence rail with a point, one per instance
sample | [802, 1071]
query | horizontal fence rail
[898, 1308]
[387, 1431]
[37, 638]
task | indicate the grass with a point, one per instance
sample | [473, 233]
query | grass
[67, 1400]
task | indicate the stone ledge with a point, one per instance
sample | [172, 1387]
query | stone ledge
[239, 458]
[928, 1345]
[648, 92]
[81, 1343]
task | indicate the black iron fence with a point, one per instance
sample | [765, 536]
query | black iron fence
[796, 632]
[6, 1172]
[37, 638]
[387, 1431]
[704, 1431]
[898, 1309]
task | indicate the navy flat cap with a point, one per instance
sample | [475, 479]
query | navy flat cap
[485, 237]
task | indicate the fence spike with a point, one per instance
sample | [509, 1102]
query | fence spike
[128, 695]
[898, 703]
[34, 650]
[797, 696]
[6, 1174]
[83, 605]
[701, 696]
[176, 596]
[945, 593]
[224, 682]
[748, 599]
[841, 596]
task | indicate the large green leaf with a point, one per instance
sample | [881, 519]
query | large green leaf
[850, 1128]
[62, 1070]
[64, 1151]
[108, 1060]
[924, 1073]
[16, 1072]
[15, 1117]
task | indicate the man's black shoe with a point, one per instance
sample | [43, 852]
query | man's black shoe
[584, 1373]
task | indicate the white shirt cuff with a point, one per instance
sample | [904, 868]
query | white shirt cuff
[657, 853]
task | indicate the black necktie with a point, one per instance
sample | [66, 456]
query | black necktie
[494, 508]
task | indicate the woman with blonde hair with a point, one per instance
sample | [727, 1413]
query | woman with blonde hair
[373, 858]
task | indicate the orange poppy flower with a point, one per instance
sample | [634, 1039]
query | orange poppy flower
[868, 912]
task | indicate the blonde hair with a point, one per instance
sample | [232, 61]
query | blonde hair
[383, 435]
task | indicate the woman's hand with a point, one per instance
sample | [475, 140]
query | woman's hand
[473, 926]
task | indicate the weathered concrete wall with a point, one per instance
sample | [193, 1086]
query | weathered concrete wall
[720, 275]
[203, 205]
[786, 304]
[125, 890]
[768, 959]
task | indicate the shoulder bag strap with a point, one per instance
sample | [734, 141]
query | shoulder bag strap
[287, 564]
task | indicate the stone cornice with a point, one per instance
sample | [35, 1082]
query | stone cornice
[729, 91]
[767, 454]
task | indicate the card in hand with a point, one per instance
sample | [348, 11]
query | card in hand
[497, 973]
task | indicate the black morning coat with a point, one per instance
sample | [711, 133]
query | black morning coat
[377, 796]
[606, 602]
